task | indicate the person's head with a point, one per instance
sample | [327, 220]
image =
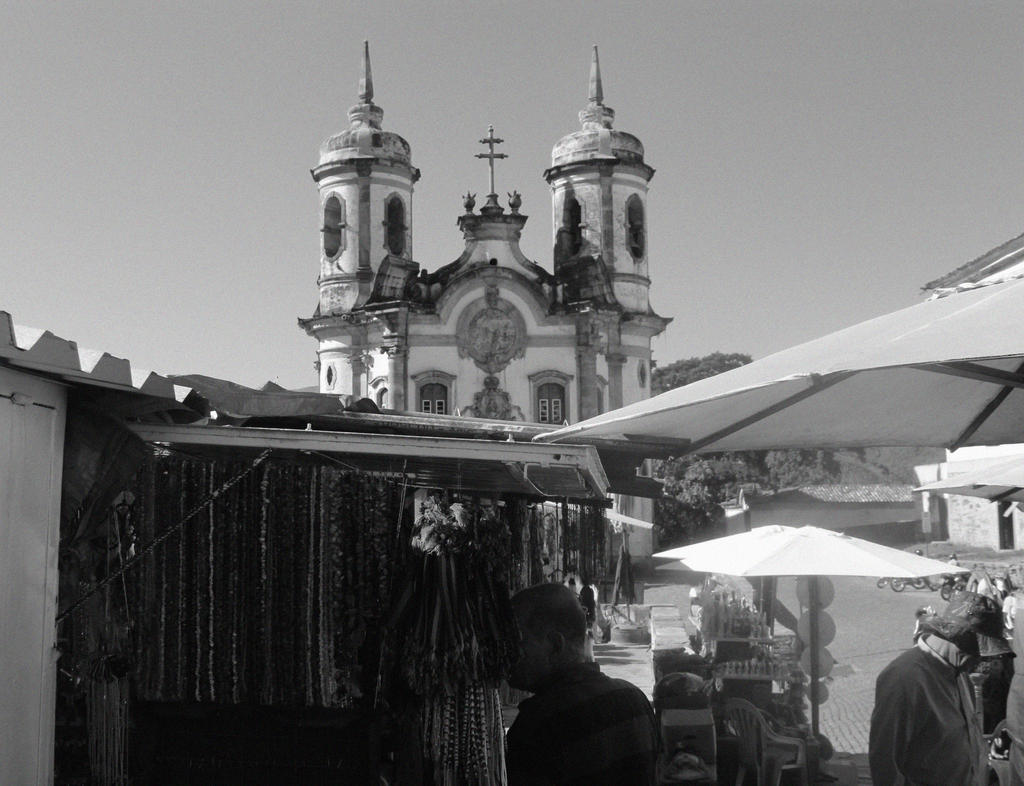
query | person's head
[967, 622]
[552, 633]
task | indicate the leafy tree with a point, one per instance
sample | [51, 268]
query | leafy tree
[788, 468]
[683, 372]
[695, 486]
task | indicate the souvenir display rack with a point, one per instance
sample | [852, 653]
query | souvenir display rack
[278, 597]
[726, 617]
[740, 647]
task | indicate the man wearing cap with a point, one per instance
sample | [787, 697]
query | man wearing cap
[924, 731]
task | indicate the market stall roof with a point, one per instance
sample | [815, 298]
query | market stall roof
[530, 469]
[999, 482]
[40, 351]
[947, 372]
[274, 407]
[236, 403]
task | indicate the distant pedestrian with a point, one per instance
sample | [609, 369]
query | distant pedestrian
[588, 600]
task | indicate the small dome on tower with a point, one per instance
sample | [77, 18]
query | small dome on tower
[364, 137]
[596, 137]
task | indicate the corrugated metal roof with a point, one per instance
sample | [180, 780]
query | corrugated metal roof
[36, 349]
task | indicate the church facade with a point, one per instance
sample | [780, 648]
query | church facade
[492, 334]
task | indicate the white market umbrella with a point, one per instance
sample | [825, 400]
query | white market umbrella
[777, 550]
[999, 482]
[946, 372]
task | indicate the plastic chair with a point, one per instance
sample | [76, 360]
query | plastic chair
[763, 751]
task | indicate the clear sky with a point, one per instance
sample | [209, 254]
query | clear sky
[817, 162]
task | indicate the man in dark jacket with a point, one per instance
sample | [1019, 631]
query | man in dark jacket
[924, 731]
[580, 726]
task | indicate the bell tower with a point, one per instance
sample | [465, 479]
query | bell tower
[365, 178]
[599, 183]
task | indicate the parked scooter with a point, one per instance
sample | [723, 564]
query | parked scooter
[952, 582]
[897, 584]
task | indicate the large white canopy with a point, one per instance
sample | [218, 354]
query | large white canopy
[946, 372]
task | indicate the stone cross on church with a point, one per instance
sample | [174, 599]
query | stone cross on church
[491, 141]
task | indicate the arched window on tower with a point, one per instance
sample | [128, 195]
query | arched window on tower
[394, 225]
[635, 229]
[382, 398]
[334, 223]
[550, 403]
[572, 223]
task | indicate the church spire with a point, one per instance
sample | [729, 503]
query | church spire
[596, 96]
[596, 114]
[365, 114]
[366, 77]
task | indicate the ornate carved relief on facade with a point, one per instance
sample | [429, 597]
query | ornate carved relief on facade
[492, 332]
[493, 402]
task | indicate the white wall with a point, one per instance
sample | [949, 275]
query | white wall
[31, 450]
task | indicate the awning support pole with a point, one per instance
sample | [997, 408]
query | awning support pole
[812, 601]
